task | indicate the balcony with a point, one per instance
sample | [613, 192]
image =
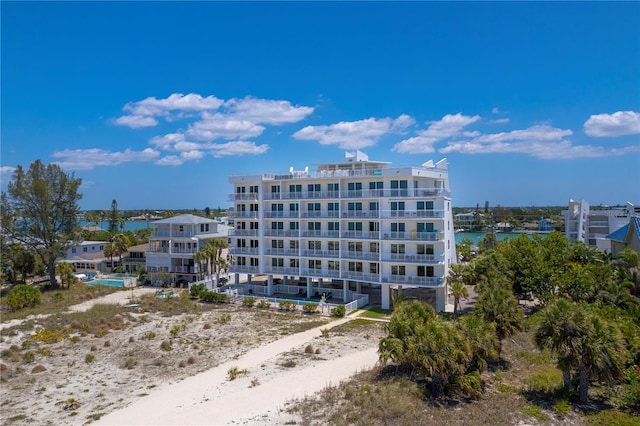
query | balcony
[411, 280]
[360, 276]
[172, 234]
[361, 214]
[244, 215]
[413, 235]
[243, 250]
[419, 258]
[243, 232]
[320, 234]
[361, 234]
[321, 253]
[360, 255]
[280, 214]
[281, 233]
[252, 196]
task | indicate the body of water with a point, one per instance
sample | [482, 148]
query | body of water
[129, 225]
[476, 237]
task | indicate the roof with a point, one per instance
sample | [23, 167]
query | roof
[140, 247]
[622, 233]
[185, 219]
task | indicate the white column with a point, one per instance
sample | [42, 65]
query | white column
[270, 285]
[385, 293]
[345, 290]
[441, 299]
[236, 278]
[309, 287]
[359, 287]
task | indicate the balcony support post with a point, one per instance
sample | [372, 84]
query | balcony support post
[385, 292]
[309, 287]
[345, 290]
[270, 285]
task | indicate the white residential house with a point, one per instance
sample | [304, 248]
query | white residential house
[174, 242]
[592, 226]
[87, 257]
[355, 222]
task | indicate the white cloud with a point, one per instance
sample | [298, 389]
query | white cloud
[540, 141]
[87, 159]
[175, 102]
[220, 126]
[136, 121]
[495, 110]
[448, 126]
[354, 134]
[6, 173]
[266, 111]
[610, 125]
[167, 141]
[238, 148]
[177, 160]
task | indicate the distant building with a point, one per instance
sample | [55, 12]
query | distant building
[467, 221]
[546, 225]
[592, 226]
[87, 257]
[626, 237]
[504, 227]
[135, 258]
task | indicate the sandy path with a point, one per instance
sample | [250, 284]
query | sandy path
[210, 398]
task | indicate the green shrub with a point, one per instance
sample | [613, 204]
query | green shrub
[631, 387]
[287, 305]
[175, 330]
[89, 358]
[310, 308]
[212, 296]
[28, 357]
[562, 406]
[339, 311]
[263, 304]
[196, 290]
[248, 301]
[23, 296]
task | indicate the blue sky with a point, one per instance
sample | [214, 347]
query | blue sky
[155, 104]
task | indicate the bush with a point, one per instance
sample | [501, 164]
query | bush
[339, 311]
[287, 305]
[263, 304]
[23, 296]
[89, 358]
[212, 296]
[248, 301]
[310, 308]
[196, 290]
[165, 345]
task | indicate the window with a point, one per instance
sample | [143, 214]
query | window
[355, 266]
[425, 227]
[277, 207]
[181, 228]
[275, 189]
[277, 244]
[425, 271]
[204, 227]
[374, 268]
[242, 243]
[277, 262]
[334, 226]
[253, 207]
[293, 245]
[315, 245]
[313, 226]
[373, 206]
[240, 190]
[294, 263]
[277, 225]
[424, 205]
[397, 270]
[293, 207]
[101, 248]
[294, 226]
[397, 248]
[354, 186]
[333, 207]
[425, 249]
[334, 246]
[333, 187]
[354, 226]
[374, 247]
[397, 227]
[254, 261]
[376, 187]
[295, 188]
[253, 243]
[84, 249]
[253, 189]
[313, 187]
[399, 188]
[315, 264]
[334, 265]
[74, 250]
[397, 208]
[355, 206]
[253, 225]
[355, 246]
[242, 261]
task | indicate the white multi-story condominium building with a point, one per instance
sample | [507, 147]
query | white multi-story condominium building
[356, 221]
[176, 240]
[592, 226]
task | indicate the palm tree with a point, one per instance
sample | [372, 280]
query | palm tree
[109, 252]
[499, 307]
[459, 275]
[602, 355]
[65, 270]
[482, 339]
[119, 244]
[561, 330]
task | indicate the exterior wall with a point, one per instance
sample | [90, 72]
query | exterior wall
[356, 221]
[175, 241]
[86, 247]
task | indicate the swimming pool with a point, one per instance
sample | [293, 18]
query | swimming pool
[110, 283]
